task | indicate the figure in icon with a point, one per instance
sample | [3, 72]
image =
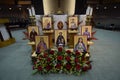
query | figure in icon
[80, 46]
[73, 24]
[60, 25]
[47, 24]
[33, 33]
[60, 40]
[41, 46]
[86, 33]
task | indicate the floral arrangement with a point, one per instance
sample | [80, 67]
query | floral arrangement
[61, 61]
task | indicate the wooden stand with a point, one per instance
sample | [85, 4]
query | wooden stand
[50, 35]
[34, 57]
[71, 38]
[32, 44]
[88, 45]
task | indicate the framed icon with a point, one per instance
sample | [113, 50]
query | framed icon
[60, 38]
[42, 43]
[73, 22]
[33, 31]
[47, 23]
[86, 31]
[80, 43]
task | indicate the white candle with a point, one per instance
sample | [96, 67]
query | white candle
[91, 11]
[33, 11]
[88, 10]
[30, 12]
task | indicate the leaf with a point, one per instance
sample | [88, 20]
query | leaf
[35, 72]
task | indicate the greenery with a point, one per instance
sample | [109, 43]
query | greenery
[61, 61]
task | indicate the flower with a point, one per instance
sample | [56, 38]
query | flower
[60, 58]
[68, 66]
[68, 51]
[76, 60]
[35, 62]
[60, 49]
[77, 67]
[45, 55]
[88, 62]
[48, 67]
[51, 52]
[39, 68]
[77, 53]
[83, 58]
[85, 68]
[67, 58]
[58, 66]
[48, 59]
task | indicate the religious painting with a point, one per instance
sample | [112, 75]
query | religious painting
[73, 22]
[60, 25]
[60, 38]
[42, 43]
[86, 31]
[33, 31]
[47, 23]
[80, 43]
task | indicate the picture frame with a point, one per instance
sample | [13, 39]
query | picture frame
[47, 22]
[64, 34]
[73, 22]
[32, 32]
[86, 31]
[84, 41]
[41, 43]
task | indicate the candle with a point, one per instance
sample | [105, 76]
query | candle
[30, 12]
[33, 11]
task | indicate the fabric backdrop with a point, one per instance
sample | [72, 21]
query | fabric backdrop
[58, 18]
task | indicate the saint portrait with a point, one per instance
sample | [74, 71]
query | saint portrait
[41, 43]
[60, 25]
[86, 31]
[47, 23]
[73, 23]
[33, 31]
[80, 43]
[60, 38]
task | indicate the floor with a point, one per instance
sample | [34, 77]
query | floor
[15, 60]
